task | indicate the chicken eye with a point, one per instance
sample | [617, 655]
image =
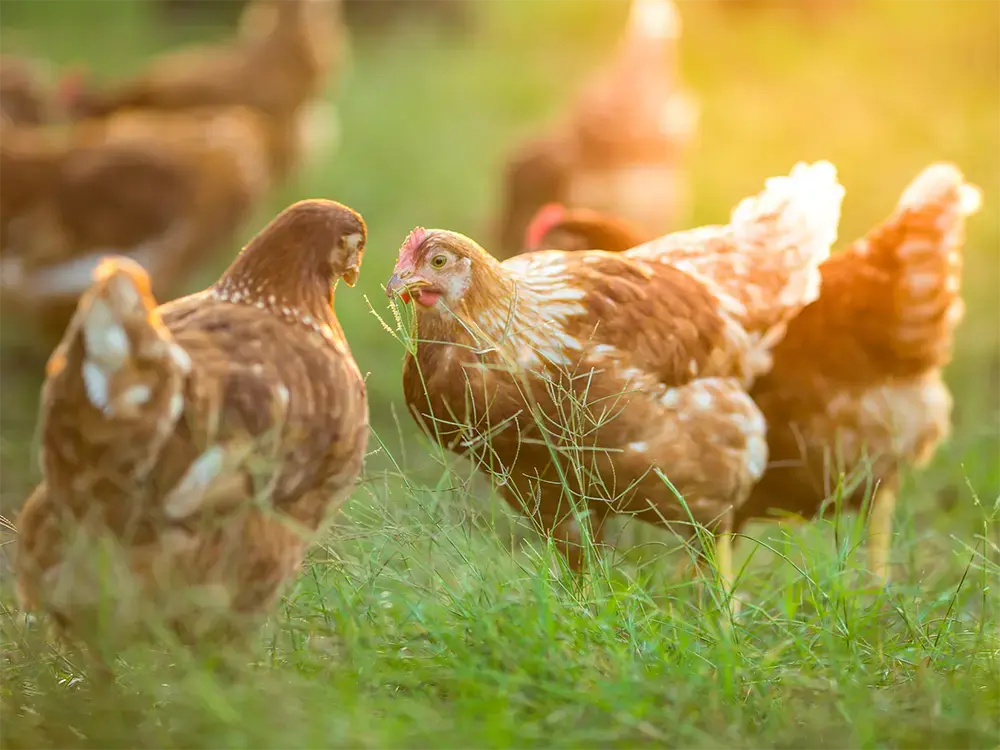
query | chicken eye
[438, 261]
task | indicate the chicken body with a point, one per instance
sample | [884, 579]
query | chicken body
[278, 65]
[207, 439]
[27, 96]
[856, 390]
[163, 189]
[278, 61]
[577, 378]
[622, 146]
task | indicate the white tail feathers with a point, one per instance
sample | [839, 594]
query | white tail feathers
[654, 19]
[942, 183]
[790, 227]
[115, 298]
[764, 266]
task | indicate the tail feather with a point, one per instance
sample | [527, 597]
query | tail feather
[920, 247]
[111, 343]
[114, 387]
[764, 266]
[787, 230]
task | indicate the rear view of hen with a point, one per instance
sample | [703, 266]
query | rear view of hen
[202, 442]
[622, 146]
[855, 393]
[857, 389]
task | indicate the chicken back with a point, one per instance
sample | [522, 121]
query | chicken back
[856, 390]
[207, 438]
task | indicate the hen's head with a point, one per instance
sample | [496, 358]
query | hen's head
[298, 258]
[556, 227]
[25, 91]
[436, 266]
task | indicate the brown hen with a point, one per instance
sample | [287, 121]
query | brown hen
[206, 440]
[590, 379]
[621, 148]
[27, 93]
[278, 64]
[164, 189]
[278, 61]
[856, 388]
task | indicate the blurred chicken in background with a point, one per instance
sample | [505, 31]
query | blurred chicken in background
[621, 147]
[456, 14]
[165, 189]
[278, 64]
[27, 92]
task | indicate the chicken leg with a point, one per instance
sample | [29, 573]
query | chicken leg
[880, 533]
[723, 563]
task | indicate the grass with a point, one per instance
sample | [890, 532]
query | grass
[431, 616]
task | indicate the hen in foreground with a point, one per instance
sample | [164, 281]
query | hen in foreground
[585, 381]
[856, 388]
[203, 441]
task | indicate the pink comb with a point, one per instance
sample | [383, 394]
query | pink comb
[541, 224]
[410, 245]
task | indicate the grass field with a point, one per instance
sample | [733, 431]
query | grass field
[431, 617]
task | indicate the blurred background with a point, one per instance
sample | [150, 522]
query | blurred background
[433, 97]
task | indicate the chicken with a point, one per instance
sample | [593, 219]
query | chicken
[555, 227]
[279, 64]
[207, 439]
[589, 378]
[279, 60]
[26, 93]
[856, 385]
[622, 145]
[166, 189]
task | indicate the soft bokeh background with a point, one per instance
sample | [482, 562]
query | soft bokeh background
[880, 87]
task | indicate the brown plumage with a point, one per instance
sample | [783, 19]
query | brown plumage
[207, 438]
[27, 94]
[278, 65]
[164, 189]
[555, 227]
[279, 60]
[621, 147]
[578, 375]
[856, 385]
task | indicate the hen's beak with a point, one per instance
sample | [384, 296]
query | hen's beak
[350, 276]
[404, 282]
